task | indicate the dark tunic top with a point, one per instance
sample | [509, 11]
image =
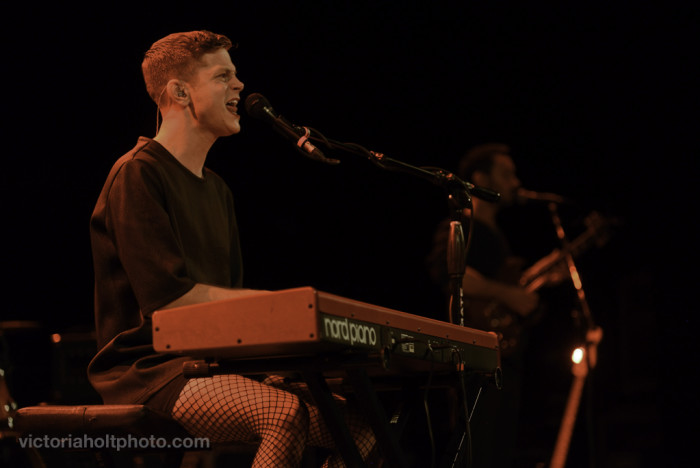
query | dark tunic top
[156, 231]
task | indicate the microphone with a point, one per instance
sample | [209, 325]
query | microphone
[483, 192]
[259, 108]
[524, 195]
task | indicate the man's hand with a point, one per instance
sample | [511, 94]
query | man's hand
[519, 300]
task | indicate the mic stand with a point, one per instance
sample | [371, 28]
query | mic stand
[573, 272]
[456, 253]
[593, 336]
[460, 201]
[460, 204]
[459, 194]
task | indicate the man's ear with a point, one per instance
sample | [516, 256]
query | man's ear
[480, 179]
[177, 92]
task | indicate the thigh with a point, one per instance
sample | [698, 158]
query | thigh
[231, 407]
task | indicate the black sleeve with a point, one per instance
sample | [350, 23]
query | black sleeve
[142, 232]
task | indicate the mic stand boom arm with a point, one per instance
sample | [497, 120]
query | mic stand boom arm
[459, 197]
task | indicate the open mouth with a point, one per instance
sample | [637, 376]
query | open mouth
[232, 106]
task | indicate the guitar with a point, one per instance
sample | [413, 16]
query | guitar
[548, 271]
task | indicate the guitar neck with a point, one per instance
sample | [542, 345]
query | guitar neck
[538, 274]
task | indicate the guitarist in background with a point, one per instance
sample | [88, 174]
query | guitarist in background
[495, 418]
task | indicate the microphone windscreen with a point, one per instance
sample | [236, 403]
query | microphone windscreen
[255, 106]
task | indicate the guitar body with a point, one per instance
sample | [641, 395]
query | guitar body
[489, 315]
[550, 270]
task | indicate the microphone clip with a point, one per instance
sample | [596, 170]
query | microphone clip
[308, 149]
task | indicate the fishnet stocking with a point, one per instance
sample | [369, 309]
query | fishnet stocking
[319, 436]
[278, 414]
[228, 408]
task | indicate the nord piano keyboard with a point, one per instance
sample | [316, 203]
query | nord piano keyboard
[319, 336]
[303, 322]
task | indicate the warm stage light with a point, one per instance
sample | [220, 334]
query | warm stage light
[577, 355]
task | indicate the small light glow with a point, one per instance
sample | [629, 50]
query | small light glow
[56, 338]
[577, 355]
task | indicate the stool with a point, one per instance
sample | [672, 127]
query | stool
[62, 425]
[110, 432]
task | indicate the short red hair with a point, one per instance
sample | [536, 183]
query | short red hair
[176, 56]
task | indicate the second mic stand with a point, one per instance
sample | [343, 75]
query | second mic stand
[581, 370]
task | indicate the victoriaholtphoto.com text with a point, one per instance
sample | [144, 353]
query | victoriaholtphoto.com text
[113, 442]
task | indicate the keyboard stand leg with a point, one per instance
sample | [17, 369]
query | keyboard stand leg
[374, 411]
[333, 418]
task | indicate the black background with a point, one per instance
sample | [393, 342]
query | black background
[597, 102]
